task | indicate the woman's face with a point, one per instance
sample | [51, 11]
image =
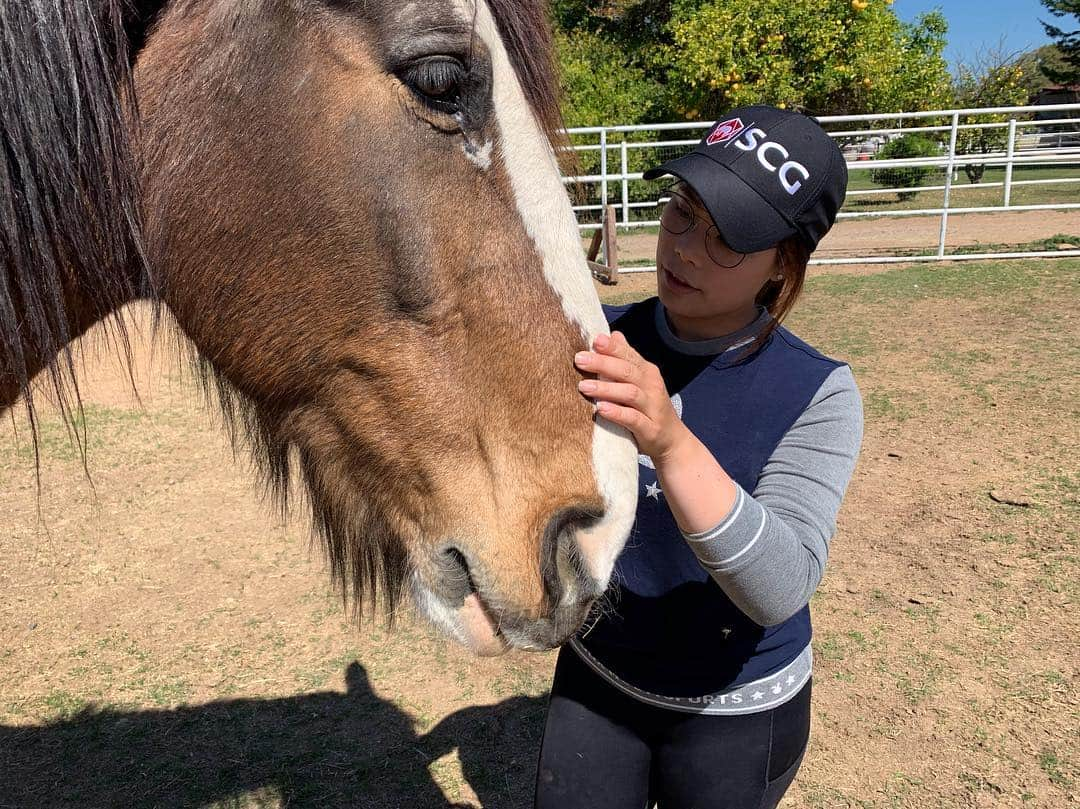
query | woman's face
[691, 281]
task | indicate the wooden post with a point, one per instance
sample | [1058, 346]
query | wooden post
[608, 272]
[611, 243]
[594, 247]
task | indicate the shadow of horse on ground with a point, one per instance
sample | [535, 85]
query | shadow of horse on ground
[324, 749]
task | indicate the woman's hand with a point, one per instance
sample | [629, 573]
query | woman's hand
[696, 488]
[632, 394]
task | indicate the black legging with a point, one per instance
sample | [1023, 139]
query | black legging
[603, 749]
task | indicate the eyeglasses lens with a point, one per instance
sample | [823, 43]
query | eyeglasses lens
[720, 252]
[678, 217]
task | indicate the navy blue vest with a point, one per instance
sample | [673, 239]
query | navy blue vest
[671, 629]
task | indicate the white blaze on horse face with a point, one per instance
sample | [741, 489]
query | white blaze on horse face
[542, 202]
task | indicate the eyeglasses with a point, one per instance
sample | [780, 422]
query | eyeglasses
[679, 217]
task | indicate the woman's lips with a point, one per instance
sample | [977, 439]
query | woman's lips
[675, 283]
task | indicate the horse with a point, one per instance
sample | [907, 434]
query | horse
[352, 210]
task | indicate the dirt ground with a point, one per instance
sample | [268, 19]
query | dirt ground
[886, 236]
[166, 639]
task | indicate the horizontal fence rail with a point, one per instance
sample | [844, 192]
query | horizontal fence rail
[1042, 141]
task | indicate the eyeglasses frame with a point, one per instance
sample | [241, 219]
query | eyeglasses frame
[694, 217]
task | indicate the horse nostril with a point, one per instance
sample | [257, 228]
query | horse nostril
[566, 575]
[454, 582]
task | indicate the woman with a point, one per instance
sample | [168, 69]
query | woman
[693, 689]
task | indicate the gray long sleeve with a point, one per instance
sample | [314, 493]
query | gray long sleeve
[768, 554]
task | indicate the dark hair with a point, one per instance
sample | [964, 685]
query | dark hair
[793, 255]
[69, 213]
[778, 297]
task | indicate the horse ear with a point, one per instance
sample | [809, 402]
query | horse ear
[356, 679]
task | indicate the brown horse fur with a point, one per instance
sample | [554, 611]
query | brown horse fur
[349, 261]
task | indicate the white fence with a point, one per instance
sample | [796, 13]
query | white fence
[1050, 140]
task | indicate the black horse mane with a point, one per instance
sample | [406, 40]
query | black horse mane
[69, 214]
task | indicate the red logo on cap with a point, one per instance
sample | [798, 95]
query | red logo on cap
[725, 131]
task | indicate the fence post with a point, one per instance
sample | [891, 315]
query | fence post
[611, 244]
[1009, 166]
[625, 182]
[603, 167]
[603, 182]
[948, 183]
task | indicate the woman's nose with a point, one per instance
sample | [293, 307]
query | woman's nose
[685, 255]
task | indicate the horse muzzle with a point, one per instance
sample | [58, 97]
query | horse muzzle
[462, 598]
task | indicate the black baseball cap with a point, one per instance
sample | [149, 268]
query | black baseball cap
[765, 174]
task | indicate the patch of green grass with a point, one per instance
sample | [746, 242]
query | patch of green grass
[965, 194]
[1057, 239]
[924, 612]
[519, 679]
[959, 363]
[1062, 487]
[851, 341]
[840, 645]
[61, 705]
[963, 280]
[829, 648]
[168, 693]
[331, 667]
[978, 783]
[1058, 575]
[1050, 764]
[997, 630]
[89, 429]
[820, 796]
[899, 786]
[1038, 245]
[1002, 538]
[923, 681]
[1052, 677]
[880, 405]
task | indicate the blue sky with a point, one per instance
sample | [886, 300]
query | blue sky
[974, 24]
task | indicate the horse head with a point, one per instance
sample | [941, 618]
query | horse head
[354, 211]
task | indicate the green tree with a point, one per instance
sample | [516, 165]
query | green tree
[907, 146]
[1036, 63]
[1068, 42]
[633, 24]
[995, 79]
[828, 56]
[696, 58]
[600, 84]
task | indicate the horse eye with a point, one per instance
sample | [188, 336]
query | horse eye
[438, 80]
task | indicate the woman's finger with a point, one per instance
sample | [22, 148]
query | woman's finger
[627, 417]
[620, 392]
[613, 368]
[616, 345]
